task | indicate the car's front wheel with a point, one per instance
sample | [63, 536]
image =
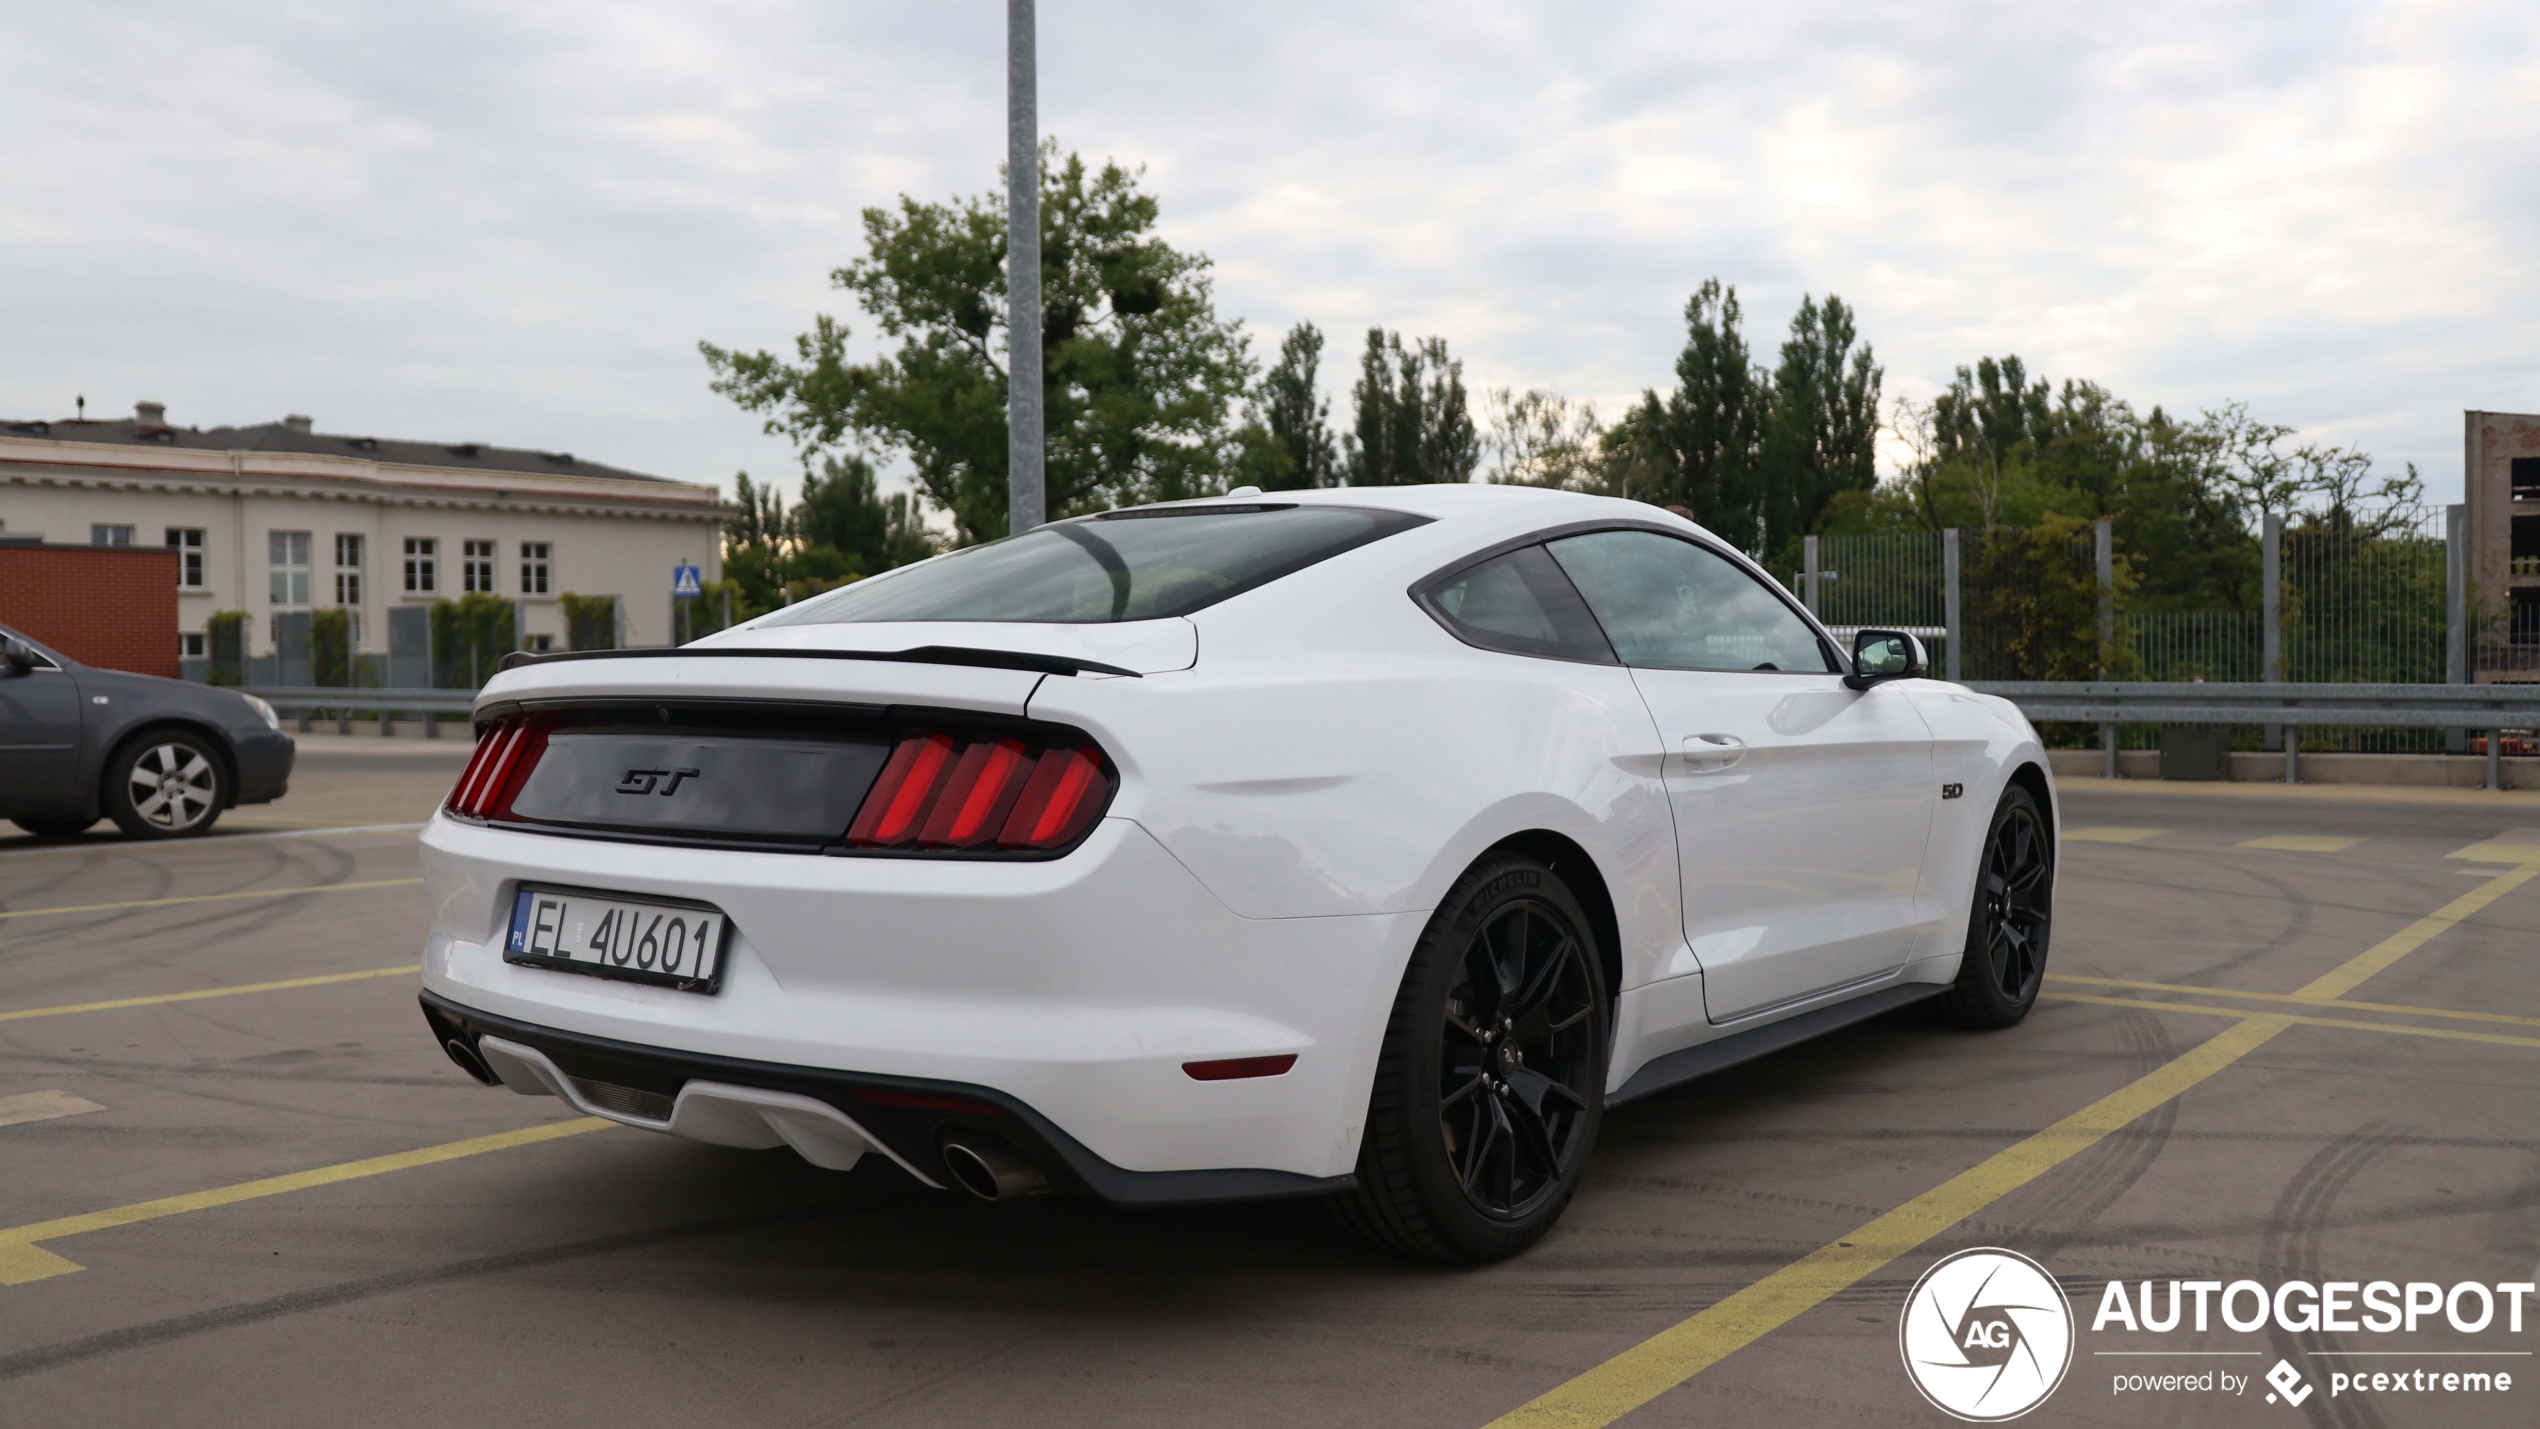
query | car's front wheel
[2007, 929]
[1491, 1084]
[165, 786]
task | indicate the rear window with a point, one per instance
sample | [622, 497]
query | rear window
[1124, 565]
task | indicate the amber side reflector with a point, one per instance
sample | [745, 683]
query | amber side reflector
[1236, 1068]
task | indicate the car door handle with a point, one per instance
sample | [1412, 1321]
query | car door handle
[1711, 753]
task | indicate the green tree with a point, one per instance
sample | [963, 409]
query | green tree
[1139, 373]
[1705, 438]
[470, 637]
[2036, 610]
[228, 645]
[331, 663]
[1538, 438]
[760, 520]
[843, 508]
[1287, 442]
[1413, 423]
[590, 621]
[1820, 434]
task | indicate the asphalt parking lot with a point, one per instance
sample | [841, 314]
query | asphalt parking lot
[2289, 1034]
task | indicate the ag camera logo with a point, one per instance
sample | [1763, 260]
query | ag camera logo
[1986, 1335]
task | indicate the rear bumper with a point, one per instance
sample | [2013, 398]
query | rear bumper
[1067, 993]
[909, 1117]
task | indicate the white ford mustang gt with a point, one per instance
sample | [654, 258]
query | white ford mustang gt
[1362, 843]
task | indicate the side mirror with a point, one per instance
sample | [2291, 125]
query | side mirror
[19, 659]
[1882, 655]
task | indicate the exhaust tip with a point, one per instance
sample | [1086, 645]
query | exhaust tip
[991, 1170]
[470, 1063]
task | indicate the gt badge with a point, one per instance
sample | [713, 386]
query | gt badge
[641, 781]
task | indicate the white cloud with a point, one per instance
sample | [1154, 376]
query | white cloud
[513, 224]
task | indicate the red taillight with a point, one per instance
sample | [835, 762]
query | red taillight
[505, 754]
[485, 744]
[945, 791]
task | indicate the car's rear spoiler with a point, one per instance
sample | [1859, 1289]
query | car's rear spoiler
[922, 655]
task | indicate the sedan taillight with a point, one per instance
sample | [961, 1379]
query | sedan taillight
[941, 790]
[505, 753]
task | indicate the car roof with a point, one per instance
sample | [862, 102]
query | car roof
[1464, 505]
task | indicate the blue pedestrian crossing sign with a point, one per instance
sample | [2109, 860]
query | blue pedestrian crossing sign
[686, 583]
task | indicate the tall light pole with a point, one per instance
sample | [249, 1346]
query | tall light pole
[1025, 493]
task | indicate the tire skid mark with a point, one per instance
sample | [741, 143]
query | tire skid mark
[35, 1360]
[2090, 1184]
[2291, 1237]
[2298, 910]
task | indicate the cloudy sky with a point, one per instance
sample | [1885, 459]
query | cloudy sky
[511, 223]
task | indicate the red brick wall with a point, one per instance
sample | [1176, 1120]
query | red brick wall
[111, 606]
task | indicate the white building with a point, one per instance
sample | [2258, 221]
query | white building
[281, 518]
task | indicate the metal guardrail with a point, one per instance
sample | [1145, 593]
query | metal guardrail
[2109, 703]
[2373, 706]
[307, 701]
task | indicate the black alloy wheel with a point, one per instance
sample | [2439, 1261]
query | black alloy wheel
[1514, 1057]
[1491, 1085]
[2007, 931]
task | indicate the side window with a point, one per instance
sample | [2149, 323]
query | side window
[1672, 605]
[1520, 604]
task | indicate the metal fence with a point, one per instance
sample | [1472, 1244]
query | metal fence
[2370, 602]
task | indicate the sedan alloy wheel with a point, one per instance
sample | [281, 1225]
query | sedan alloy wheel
[166, 787]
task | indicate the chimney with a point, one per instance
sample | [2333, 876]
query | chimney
[151, 414]
[297, 423]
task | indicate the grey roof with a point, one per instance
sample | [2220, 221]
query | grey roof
[280, 437]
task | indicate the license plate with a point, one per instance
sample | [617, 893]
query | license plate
[675, 944]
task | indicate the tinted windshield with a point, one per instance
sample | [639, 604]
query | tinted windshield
[1128, 565]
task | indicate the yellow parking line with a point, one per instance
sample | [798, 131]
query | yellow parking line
[22, 1260]
[203, 992]
[2348, 976]
[2511, 846]
[1670, 1357]
[2450, 1034]
[1685, 1349]
[2302, 843]
[214, 897]
[2111, 834]
[2401, 1008]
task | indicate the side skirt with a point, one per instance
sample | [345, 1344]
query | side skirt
[1721, 1053]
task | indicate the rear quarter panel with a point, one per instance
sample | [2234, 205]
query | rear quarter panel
[1336, 752]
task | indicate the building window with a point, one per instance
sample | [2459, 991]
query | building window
[110, 535]
[533, 568]
[187, 542]
[2525, 472]
[287, 563]
[348, 570]
[477, 566]
[539, 644]
[189, 645]
[423, 565]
